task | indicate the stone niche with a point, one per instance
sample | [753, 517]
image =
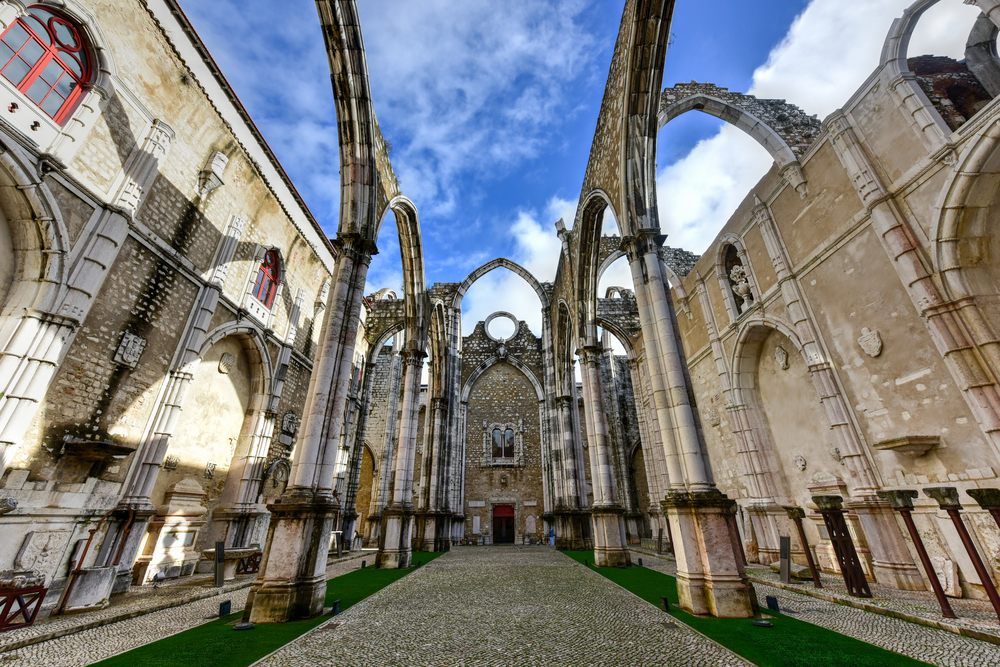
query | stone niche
[173, 533]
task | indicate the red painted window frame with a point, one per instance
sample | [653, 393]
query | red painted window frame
[266, 285]
[51, 47]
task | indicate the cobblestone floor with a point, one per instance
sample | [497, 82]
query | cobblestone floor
[974, 614]
[502, 606]
[937, 647]
[87, 646]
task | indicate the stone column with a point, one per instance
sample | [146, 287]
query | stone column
[571, 515]
[608, 519]
[292, 583]
[710, 576]
[397, 518]
[436, 529]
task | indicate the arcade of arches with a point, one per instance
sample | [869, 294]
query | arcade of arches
[839, 337]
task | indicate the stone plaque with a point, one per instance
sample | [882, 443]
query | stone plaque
[477, 503]
[130, 349]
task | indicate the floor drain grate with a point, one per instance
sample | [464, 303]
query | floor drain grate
[330, 626]
[670, 625]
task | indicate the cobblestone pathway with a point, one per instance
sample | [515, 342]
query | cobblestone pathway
[917, 641]
[83, 648]
[502, 606]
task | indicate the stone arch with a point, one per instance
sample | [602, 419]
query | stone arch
[380, 341]
[910, 98]
[981, 54]
[513, 361]
[963, 242]
[610, 327]
[499, 262]
[751, 333]
[589, 223]
[438, 344]
[412, 255]
[563, 346]
[40, 240]
[256, 349]
[747, 113]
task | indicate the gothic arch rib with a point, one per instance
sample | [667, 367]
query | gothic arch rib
[499, 262]
[494, 360]
[758, 118]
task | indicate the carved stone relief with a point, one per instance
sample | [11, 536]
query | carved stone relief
[130, 349]
[781, 357]
[713, 418]
[800, 462]
[226, 363]
[210, 470]
[170, 463]
[871, 342]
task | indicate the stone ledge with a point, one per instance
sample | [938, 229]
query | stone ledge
[875, 609]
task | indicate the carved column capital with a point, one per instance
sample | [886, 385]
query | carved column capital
[355, 247]
[590, 356]
[643, 242]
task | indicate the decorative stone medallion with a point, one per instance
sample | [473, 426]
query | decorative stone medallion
[289, 423]
[713, 418]
[130, 349]
[835, 454]
[781, 357]
[871, 342]
[210, 470]
[800, 462]
[226, 363]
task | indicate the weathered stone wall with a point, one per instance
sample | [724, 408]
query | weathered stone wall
[99, 411]
[502, 395]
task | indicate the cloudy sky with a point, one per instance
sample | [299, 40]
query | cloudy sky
[490, 108]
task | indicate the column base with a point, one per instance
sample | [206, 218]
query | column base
[893, 564]
[710, 576]
[609, 537]
[292, 584]
[394, 544]
[573, 530]
[433, 531]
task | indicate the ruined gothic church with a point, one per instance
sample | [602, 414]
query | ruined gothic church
[186, 357]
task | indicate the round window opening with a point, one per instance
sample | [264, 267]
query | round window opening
[501, 326]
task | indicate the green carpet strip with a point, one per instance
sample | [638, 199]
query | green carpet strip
[216, 644]
[790, 643]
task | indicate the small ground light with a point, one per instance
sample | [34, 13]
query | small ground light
[225, 608]
[640, 562]
[243, 626]
[363, 563]
[336, 607]
[664, 603]
[760, 623]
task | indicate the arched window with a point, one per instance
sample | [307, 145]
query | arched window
[508, 444]
[267, 279]
[497, 444]
[44, 55]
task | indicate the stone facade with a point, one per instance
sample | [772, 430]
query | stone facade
[140, 330]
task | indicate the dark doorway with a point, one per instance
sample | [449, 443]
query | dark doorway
[503, 524]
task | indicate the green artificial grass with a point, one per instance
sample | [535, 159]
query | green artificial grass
[217, 644]
[790, 643]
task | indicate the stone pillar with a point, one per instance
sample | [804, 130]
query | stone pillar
[397, 518]
[608, 519]
[710, 576]
[436, 531]
[292, 583]
[570, 532]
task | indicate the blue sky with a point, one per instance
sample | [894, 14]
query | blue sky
[491, 106]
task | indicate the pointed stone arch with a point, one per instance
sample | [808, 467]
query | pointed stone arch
[499, 262]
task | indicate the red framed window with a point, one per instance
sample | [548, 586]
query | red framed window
[267, 279]
[44, 55]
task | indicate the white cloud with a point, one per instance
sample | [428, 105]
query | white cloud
[470, 89]
[814, 67]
